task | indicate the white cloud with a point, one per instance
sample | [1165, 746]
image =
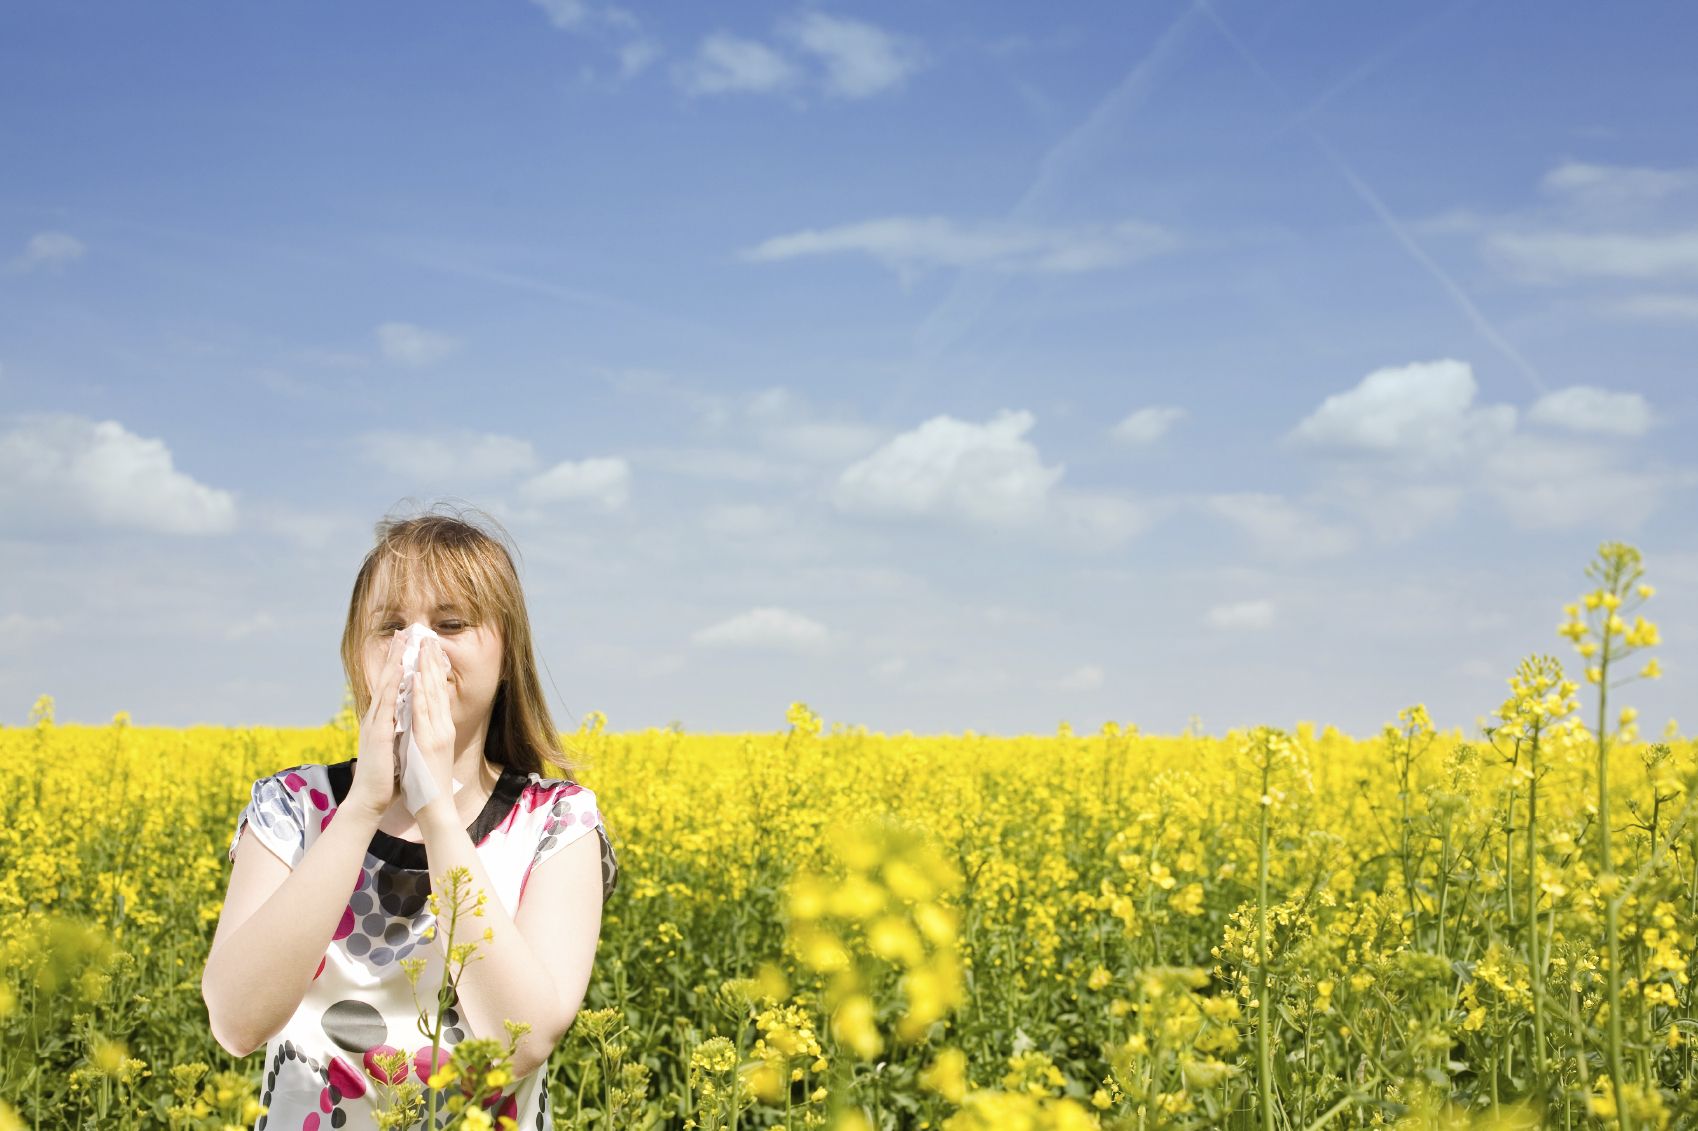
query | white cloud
[1147, 425]
[1582, 408]
[1421, 422]
[911, 243]
[725, 62]
[259, 624]
[716, 463]
[1549, 484]
[1422, 414]
[408, 344]
[890, 668]
[50, 250]
[1600, 188]
[985, 474]
[1281, 529]
[1097, 521]
[451, 456]
[564, 14]
[1085, 677]
[1654, 307]
[860, 59]
[603, 481]
[740, 520]
[1395, 512]
[20, 632]
[1600, 222]
[311, 530]
[765, 629]
[1558, 256]
[786, 424]
[1253, 615]
[636, 55]
[59, 468]
[635, 51]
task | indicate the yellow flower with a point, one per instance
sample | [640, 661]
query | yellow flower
[853, 1023]
[947, 1075]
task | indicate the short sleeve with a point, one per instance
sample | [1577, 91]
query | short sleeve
[274, 812]
[574, 813]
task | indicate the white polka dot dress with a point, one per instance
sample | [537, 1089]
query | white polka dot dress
[319, 1069]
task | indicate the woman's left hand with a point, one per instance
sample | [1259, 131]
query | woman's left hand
[433, 717]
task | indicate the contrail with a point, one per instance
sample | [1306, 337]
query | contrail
[1369, 66]
[975, 289]
[1372, 200]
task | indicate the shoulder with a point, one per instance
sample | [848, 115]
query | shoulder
[554, 791]
[301, 787]
[560, 804]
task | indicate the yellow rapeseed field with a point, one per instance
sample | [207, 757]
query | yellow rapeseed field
[835, 928]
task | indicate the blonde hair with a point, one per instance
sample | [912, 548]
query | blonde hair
[448, 556]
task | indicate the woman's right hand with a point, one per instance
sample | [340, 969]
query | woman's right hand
[374, 771]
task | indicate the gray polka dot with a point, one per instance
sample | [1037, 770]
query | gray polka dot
[382, 956]
[354, 1025]
[396, 934]
[373, 924]
[357, 944]
[361, 903]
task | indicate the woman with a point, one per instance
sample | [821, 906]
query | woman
[306, 958]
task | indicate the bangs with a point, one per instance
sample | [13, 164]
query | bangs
[401, 583]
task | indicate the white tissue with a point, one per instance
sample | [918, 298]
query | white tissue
[412, 776]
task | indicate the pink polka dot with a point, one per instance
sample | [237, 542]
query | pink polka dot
[320, 969]
[347, 1078]
[324, 1101]
[373, 1068]
[294, 780]
[310, 1123]
[319, 800]
[325, 824]
[362, 881]
[509, 1104]
[570, 788]
[535, 798]
[346, 926]
[421, 1062]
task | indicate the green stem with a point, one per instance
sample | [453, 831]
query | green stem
[1264, 1053]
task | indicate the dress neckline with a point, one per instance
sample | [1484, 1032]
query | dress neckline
[410, 854]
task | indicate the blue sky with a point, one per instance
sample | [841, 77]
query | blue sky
[943, 366]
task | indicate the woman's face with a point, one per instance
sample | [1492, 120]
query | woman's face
[474, 653]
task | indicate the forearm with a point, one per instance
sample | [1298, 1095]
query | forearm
[256, 979]
[504, 981]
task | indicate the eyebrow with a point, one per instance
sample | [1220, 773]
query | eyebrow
[445, 607]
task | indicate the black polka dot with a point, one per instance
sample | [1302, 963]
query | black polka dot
[338, 1117]
[354, 1025]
